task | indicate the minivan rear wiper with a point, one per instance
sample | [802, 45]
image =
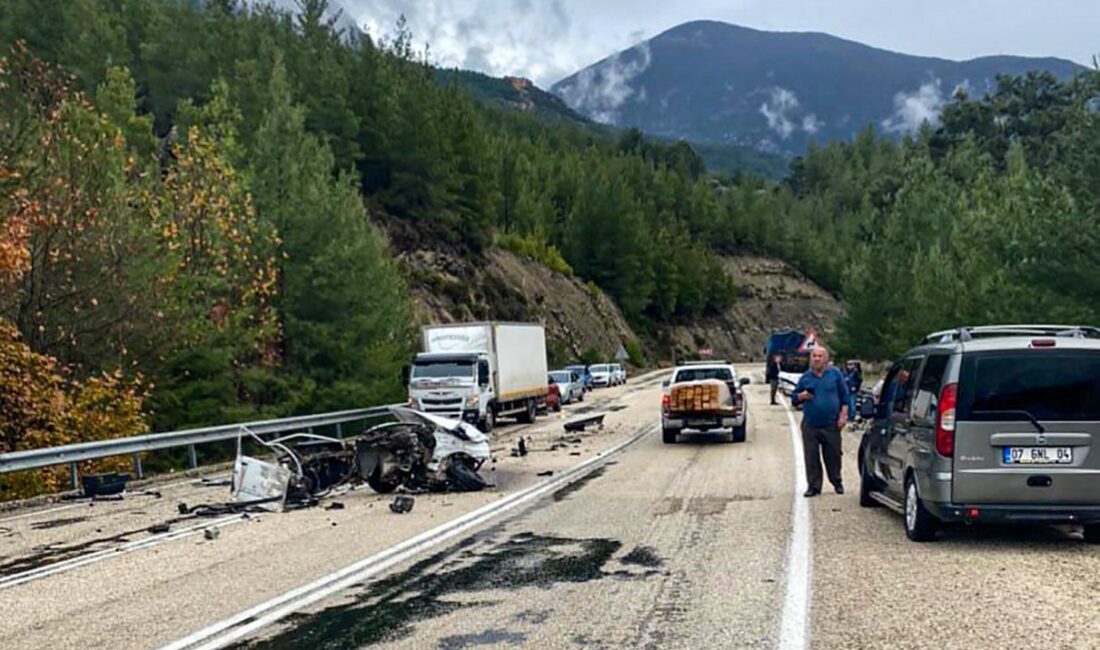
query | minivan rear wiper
[1027, 416]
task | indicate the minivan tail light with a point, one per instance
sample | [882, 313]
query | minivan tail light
[1043, 343]
[945, 420]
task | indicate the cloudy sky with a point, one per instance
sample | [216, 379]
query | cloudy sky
[549, 39]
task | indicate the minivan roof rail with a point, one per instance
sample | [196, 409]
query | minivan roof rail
[705, 362]
[983, 331]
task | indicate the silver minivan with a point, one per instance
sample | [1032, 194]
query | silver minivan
[988, 424]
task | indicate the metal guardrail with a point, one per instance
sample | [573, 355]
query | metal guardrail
[17, 461]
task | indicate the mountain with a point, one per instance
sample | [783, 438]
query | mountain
[776, 91]
[518, 93]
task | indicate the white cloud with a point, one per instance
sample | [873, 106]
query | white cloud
[778, 109]
[601, 90]
[913, 109]
[811, 125]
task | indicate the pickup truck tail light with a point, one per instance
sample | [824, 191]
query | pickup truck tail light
[739, 402]
[666, 402]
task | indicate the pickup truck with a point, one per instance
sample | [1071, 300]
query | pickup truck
[704, 397]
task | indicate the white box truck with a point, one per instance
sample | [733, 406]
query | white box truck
[478, 372]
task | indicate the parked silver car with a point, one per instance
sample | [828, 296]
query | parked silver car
[570, 384]
[989, 424]
[601, 375]
[618, 374]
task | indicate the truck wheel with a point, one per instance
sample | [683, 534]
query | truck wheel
[528, 415]
[738, 434]
[920, 525]
[1092, 533]
[669, 436]
[489, 421]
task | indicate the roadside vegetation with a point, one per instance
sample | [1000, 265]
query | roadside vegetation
[993, 216]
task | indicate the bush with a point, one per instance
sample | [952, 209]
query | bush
[537, 249]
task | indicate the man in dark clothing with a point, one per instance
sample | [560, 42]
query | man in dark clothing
[771, 374]
[824, 398]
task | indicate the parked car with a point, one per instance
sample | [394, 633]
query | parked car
[572, 390]
[618, 374]
[553, 397]
[988, 424]
[704, 397]
[601, 375]
[582, 372]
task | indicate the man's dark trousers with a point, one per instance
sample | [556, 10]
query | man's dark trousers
[818, 443]
[775, 387]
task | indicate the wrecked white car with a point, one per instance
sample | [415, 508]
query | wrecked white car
[417, 451]
[422, 452]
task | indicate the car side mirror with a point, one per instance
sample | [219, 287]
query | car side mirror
[483, 373]
[745, 381]
[406, 373]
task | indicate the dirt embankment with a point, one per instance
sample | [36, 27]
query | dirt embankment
[772, 295]
[448, 288]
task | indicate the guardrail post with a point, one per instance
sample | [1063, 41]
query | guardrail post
[137, 467]
[74, 476]
[192, 457]
[340, 430]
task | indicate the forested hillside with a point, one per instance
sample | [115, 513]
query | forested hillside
[197, 196]
[992, 217]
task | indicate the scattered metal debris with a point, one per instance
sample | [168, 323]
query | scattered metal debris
[520, 448]
[579, 424]
[548, 472]
[335, 505]
[106, 484]
[211, 534]
[402, 504]
[157, 529]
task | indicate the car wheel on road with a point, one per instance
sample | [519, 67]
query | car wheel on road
[557, 407]
[920, 525]
[464, 477]
[381, 485]
[738, 434]
[581, 398]
[1092, 533]
[669, 436]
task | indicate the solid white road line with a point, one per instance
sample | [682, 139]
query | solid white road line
[794, 627]
[247, 622]
[37, 513]
[128, 547]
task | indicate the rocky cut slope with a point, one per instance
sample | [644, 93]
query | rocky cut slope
[580, 319]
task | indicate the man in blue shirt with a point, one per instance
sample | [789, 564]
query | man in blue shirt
[824, 398]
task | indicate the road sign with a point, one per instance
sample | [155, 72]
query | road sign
[621, 355]
[706, 353]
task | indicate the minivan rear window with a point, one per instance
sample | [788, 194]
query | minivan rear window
[1049, 385]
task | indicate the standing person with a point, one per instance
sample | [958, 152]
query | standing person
[853, 379]
[771, 374]
[824, 398]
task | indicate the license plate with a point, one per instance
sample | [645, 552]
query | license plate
[1038, 455]
[700, 423]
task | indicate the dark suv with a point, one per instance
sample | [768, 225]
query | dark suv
[988, 424]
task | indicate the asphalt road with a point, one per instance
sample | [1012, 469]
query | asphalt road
[681, 546]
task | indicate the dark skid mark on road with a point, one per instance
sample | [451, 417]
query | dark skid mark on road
[578, 484]
[57, 523]
[389, 609]
[488, 637]
[645, 556]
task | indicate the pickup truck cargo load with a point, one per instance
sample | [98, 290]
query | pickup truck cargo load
[704, 398]
[479, 371]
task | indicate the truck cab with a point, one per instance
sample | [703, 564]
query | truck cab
[455, 385]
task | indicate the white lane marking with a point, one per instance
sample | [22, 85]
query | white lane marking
[128, 547]
[794, 627]
[36, 513]
[245, 623]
